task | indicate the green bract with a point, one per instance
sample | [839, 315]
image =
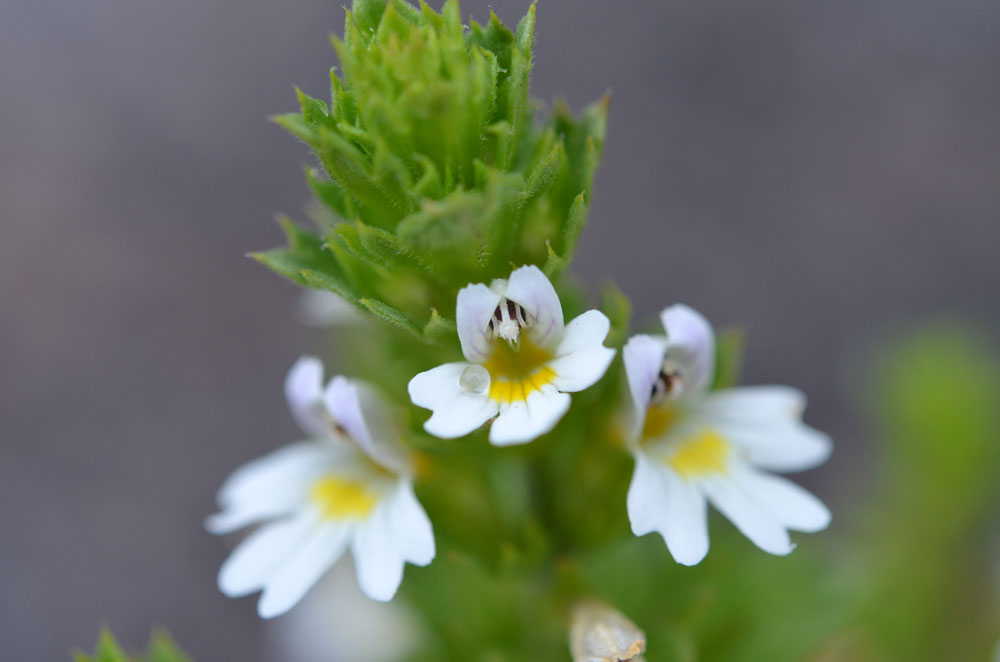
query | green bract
[433, 174]
[161, 649]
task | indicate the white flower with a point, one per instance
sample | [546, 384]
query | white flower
[522, 361]
[694, 446]
[346, 486]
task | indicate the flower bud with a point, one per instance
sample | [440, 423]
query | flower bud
[601, 633]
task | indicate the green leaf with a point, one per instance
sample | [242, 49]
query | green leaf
[331, 194]
[162, 648]
[516, 89]
[296, 125]
[575, 221]
[495, 38]
[405, 10]
[107, 650]
[301, 240]
[554, 264]
[545, 172]
[341, 101]
[283, 262]
[314, 111]
[324, 281]
[439, 328]
[729, 348]
[616, 305]
[392, 316]
[304, 252]
[350, 168]
[525, 36]
[368, 13]
[386, 249]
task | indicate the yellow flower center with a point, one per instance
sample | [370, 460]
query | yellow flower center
[342, 498]
[659, 419]
[516, 373]
[704, 453]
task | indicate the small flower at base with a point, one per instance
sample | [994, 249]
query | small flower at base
[601, 633]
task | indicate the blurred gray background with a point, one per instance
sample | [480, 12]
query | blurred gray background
[821, 174]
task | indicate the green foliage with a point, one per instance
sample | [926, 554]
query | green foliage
[728, 358]
[433, 174]
[161, 649]
[929, 522]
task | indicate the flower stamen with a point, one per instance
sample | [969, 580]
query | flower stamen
[669, 383]
[508, 320]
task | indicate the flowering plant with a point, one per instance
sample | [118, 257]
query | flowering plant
[450, 216]
[486, 462]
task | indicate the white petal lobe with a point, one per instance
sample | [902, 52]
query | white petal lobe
[456, 412]
[520, 422]
[793, 506]
[268, 486]
[530, 288]
[341, 399]
[474, 308]
[324, 544]
[410, 526]
[794, 447]
[304, 392]
[659, 500]
[690, 333]
[581, 357]
[764, 421]
[376, 557]
[750, 404]
[748, 515]
[643, 357]
[258, 557]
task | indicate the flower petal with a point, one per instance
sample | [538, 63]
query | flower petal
[361, 412]
[659, 500]
[456, 411]
[795, 507]
[643, 357]
[304, 393]
[377, 559]
[300, 571]
[341, 399]
[269, 506]
[764, 420]
[258, 557]
[788, 447]
[581, 357]
[690, 336]
[473, 310]
[268, 486]
[521, 421]
[756, 403]
[411, 529]
[530, 288]
[750, 517]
